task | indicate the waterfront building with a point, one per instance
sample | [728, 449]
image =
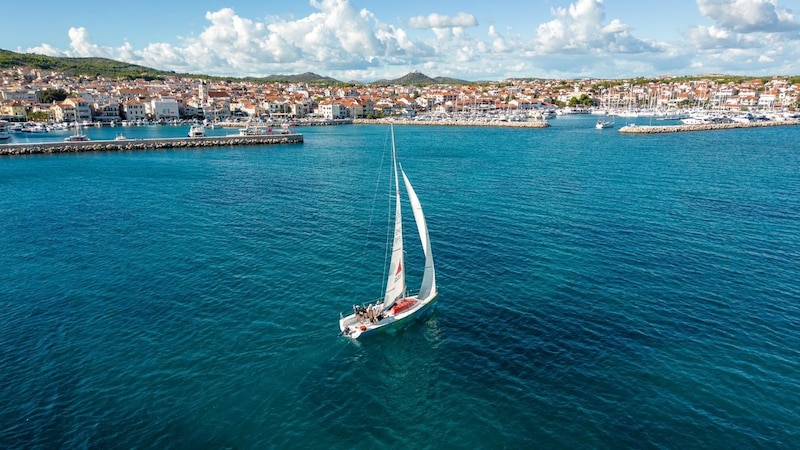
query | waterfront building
[107, 112]
[133, 110]
[14, 111]
[164, 108]
[331, 109]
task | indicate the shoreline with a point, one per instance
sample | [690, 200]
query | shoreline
[48, 148]
[659, 129]
[529, 124]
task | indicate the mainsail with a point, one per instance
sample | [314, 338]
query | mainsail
[396, 284]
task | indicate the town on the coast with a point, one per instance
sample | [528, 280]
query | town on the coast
[38, 101]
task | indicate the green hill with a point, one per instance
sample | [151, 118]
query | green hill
[116, 69]
[418, 79]
[79, 66]
[110, 68]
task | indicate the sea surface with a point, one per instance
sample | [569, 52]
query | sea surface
[596, 290]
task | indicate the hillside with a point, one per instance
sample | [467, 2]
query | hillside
[116, 69]
[418, 79]
[79, 66]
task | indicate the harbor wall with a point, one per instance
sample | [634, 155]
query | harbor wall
[529, 124]
[147, 144]
[657, 129]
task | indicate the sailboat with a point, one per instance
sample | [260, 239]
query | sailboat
[398, 306]
[78, 136]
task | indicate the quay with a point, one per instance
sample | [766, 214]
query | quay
[148, 144]
[658, 129]
[520, 124]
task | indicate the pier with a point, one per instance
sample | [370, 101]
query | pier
[449, 122]
[148, 144]
[658, 129]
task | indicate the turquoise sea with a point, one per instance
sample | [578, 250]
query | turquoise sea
[597, 290]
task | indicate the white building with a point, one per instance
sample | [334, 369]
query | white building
[166, 108]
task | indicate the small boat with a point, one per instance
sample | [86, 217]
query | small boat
[78, 136]
[253, 130]
[397, 305]
[5, 135]
[120, 137]
[35, 128]
[197, 131]
[604, 124]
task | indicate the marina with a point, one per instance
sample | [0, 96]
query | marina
[138, 139]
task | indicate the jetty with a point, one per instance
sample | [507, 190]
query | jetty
[449, 122]
[658, 129]
[148, 144]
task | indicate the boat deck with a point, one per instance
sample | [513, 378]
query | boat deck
[354, 326]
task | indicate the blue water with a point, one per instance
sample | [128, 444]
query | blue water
[597, 290]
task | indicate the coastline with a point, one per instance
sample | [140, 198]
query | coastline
[658, 129]
[395, 121]
[46, 148]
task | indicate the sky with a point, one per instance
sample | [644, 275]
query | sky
[367, 40]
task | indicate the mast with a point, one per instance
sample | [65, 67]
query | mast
[396, 283]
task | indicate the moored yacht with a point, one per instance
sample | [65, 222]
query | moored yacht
[197, 131]
[4, 133]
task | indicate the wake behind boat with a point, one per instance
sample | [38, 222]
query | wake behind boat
[398, 305]
[604, 124]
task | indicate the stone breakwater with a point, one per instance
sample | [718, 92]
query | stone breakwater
[457, 123]
[147, 144]
[656, 129]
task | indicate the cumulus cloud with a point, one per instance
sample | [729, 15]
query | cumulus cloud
[747, 16]
[82, 45]
[44, 49]
[580, 29]
[439, 21]
[745, 34]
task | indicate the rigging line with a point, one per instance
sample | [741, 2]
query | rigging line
[380, 174]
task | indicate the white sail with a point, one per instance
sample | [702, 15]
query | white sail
[398, 307]
[396, 284]
[428, 287]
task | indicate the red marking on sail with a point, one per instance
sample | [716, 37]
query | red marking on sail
[399, 269]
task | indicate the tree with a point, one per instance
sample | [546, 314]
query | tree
[583, 100]
[50, 95]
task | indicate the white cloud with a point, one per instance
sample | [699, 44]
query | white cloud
[82, 46]
[580, 29]
[44, 49]
[747, 16]
[439, 21]
[748, 36]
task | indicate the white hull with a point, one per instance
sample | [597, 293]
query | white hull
[354, 328]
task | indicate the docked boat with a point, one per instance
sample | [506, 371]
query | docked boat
[604, 124]
[197, 131]
[78, 136]
[5, 135]
[254, 130]
[35, 128]
[397, 306]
